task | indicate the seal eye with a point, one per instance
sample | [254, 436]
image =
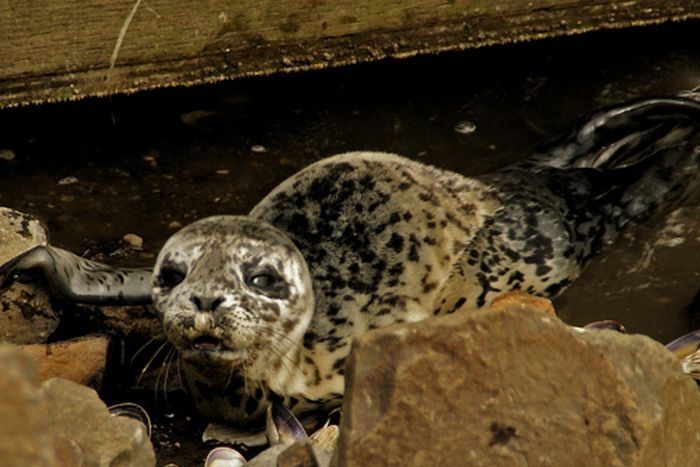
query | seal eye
[262, 280]
[170, 277]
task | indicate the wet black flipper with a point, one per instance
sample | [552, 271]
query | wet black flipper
[76, 279]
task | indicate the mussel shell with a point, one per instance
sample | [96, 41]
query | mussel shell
[224, 457]
[691, 365]
[132, 410]
[685, 345]
[607, 324]
[283, 426]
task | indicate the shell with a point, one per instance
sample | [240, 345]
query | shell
[691, 365]
[224, 457]
[607, 324]
[282, 426]
[685, 345]
[132, 410]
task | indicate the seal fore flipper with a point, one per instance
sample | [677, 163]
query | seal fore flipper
[75, 279]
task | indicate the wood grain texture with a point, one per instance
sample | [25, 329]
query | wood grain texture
[54, 50]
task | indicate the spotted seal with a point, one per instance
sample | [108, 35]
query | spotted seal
[264, 307]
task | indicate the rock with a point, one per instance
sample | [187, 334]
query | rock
[323, 443]
[61, 423]
[26, 315]
[268, 457]
[326, 438]
[299, 454]
[19, 232]
[25, 435]
[133, 241]
[669, 402]
[104, 440]
[504, 387]
[80, 360]
[126, 320]
[7, 155]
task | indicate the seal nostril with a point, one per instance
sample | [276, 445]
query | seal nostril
[206, 304]
[215, 304]
[197, 302]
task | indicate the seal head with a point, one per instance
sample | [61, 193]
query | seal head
[233, 292]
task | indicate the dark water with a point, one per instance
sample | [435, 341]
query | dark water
[140, 169]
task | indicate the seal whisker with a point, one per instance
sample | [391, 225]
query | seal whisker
[276, 333]
[179, 370]
[150, 361]
[173, 353]
[228, 380]
[143, 347]
[159, 374]
[281, 356]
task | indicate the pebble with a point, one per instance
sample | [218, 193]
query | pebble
[258, 148]
[133, 240]
[174, 225]
[465, 127]
[68, 181]
[7, 155]
[151, 161]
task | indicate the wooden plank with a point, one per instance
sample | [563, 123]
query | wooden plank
[55, 50]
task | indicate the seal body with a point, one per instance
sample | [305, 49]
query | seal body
[265, 307]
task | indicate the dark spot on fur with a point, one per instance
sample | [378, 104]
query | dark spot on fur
[395, 242]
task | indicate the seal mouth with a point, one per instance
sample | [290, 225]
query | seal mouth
[207, 343]
[212, 351]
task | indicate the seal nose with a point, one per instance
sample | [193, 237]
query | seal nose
[206, 303]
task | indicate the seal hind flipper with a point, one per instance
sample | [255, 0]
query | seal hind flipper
[620, 136]
[76, 279]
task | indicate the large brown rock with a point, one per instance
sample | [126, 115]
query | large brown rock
[510, 387]
[105, 440]
[25, 435]
[61, 423]
[81, 360]
[26, 315]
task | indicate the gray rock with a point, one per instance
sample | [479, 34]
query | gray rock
[61, 423]
[26, 315]
[514, 386]
[323, 443]
[299, 454]
[268, 457]
[19, 232]
[25, 436]
[104, 440]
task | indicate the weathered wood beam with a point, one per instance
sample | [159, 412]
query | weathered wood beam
[54, 50]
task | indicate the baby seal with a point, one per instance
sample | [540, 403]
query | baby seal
[264, 307]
